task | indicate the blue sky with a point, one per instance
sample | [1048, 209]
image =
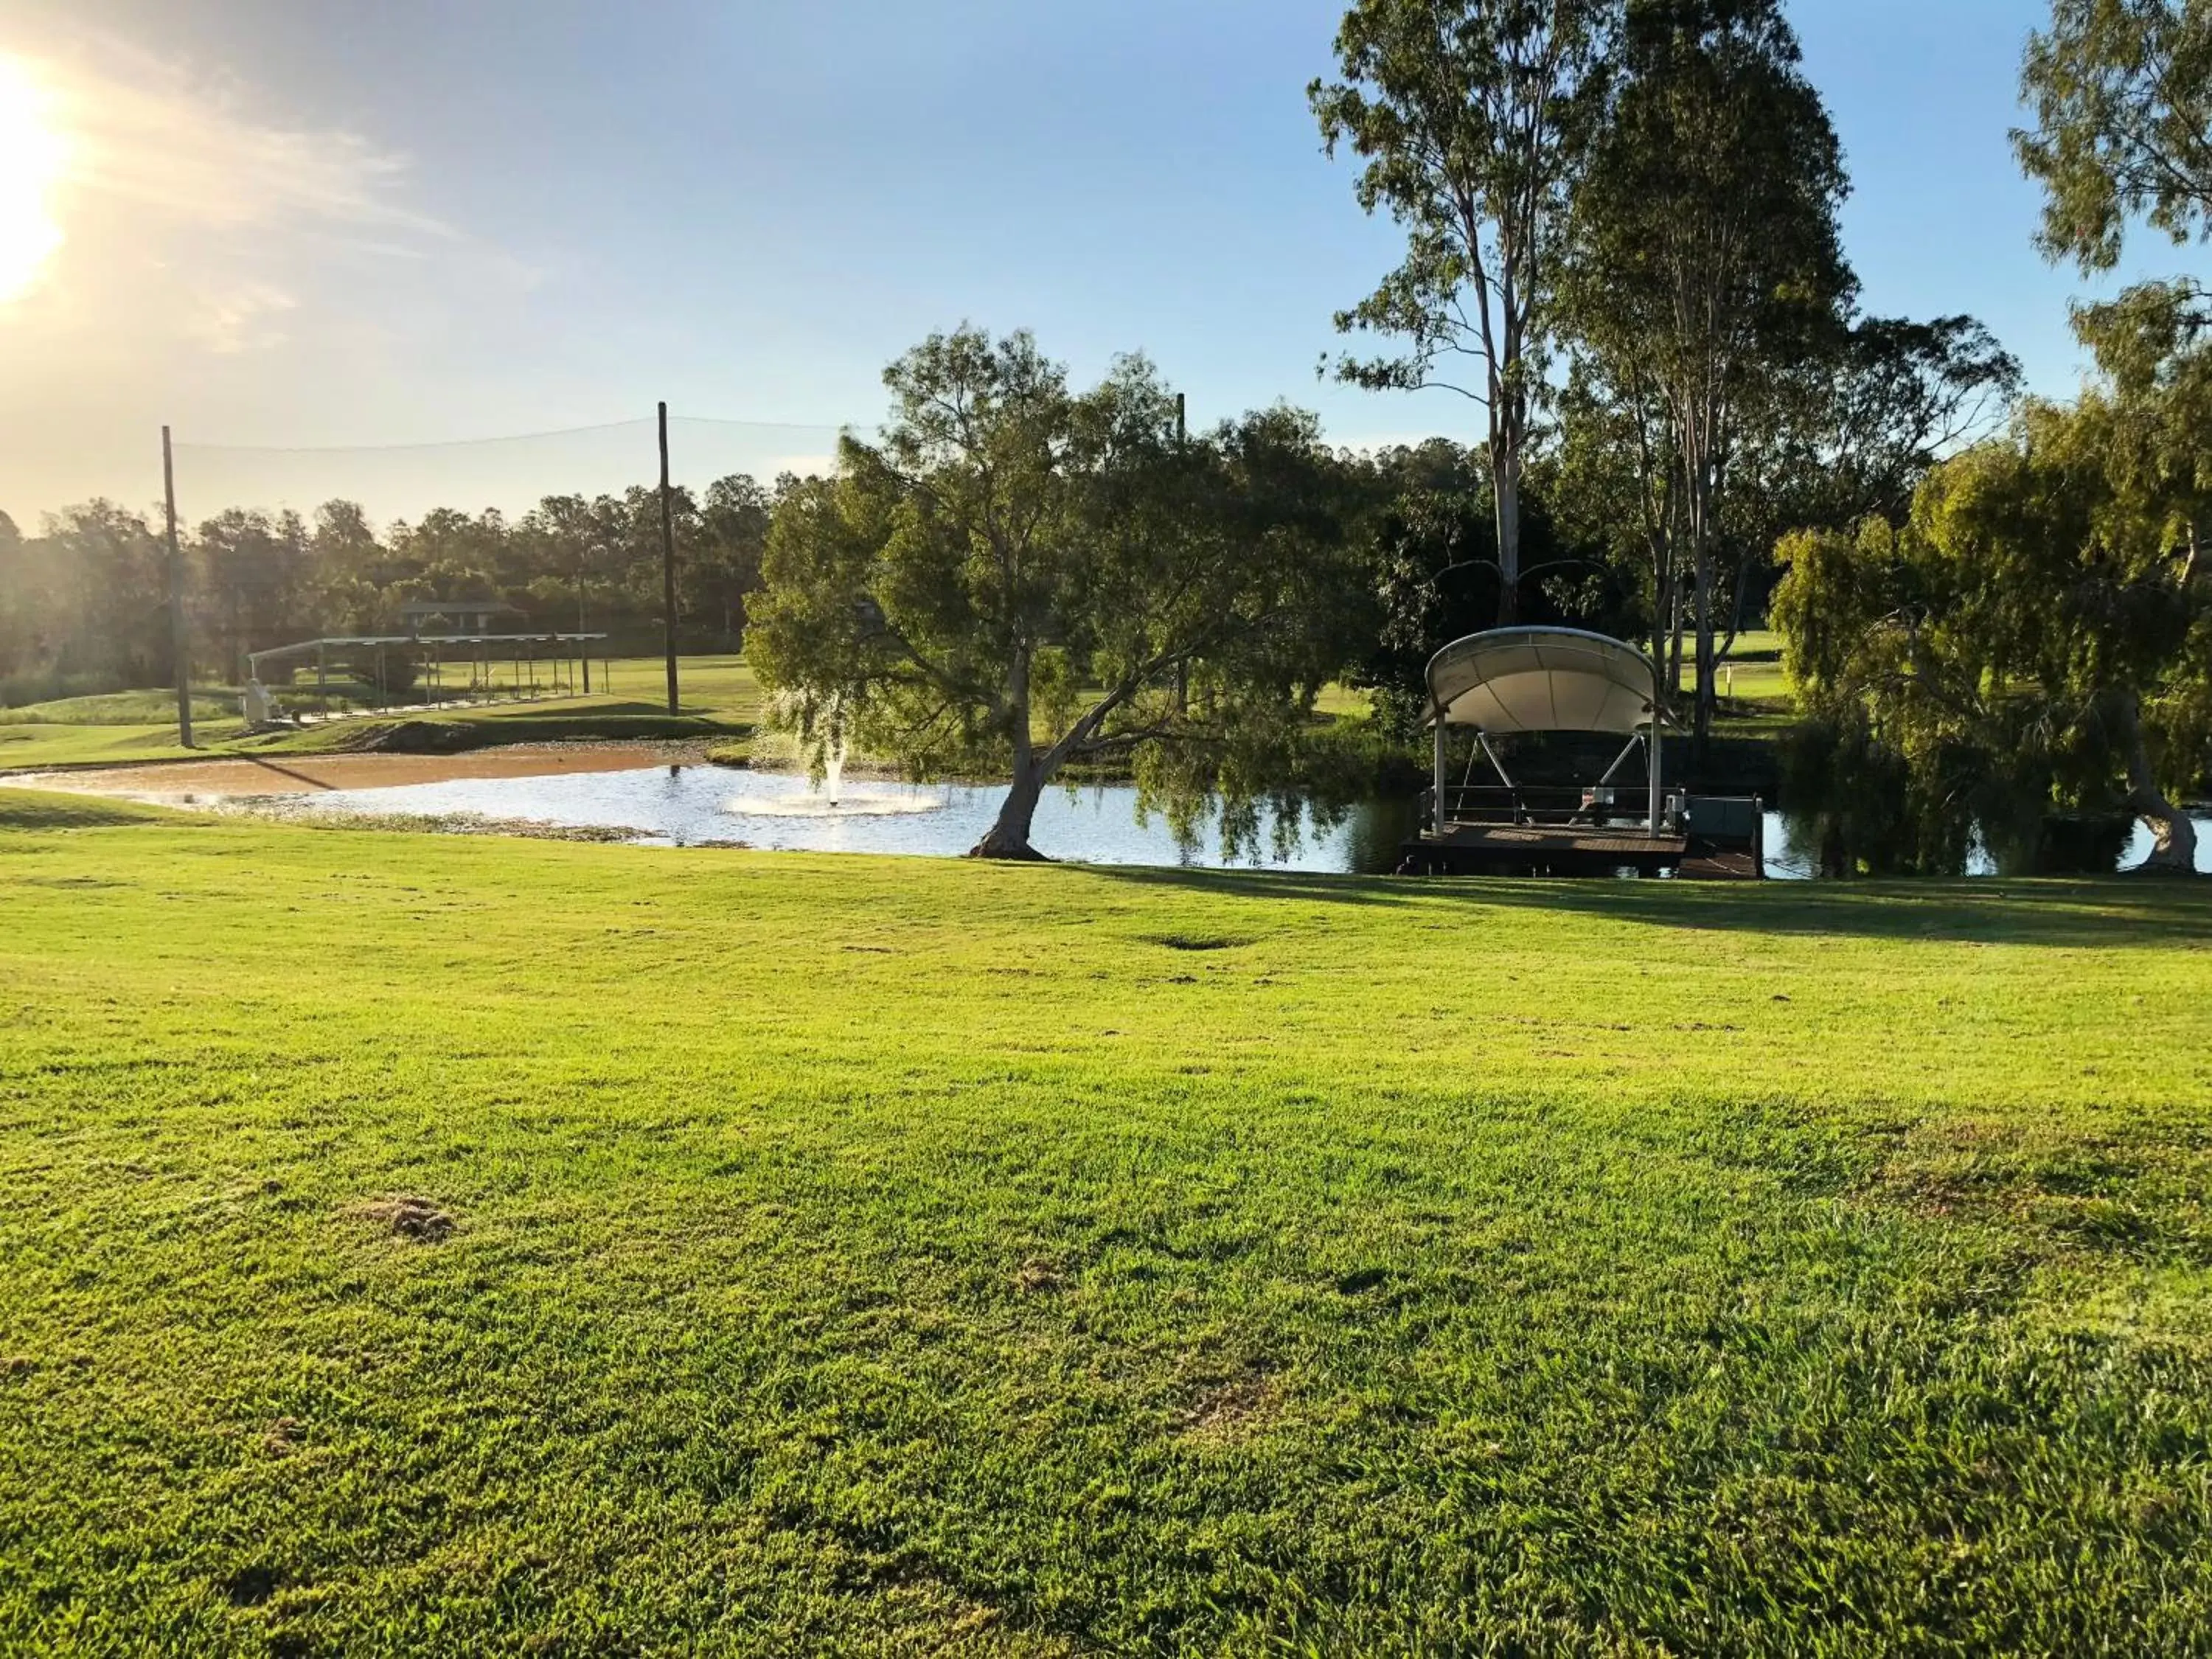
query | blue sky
[321, 221]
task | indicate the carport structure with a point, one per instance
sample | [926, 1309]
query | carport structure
[1510, 681]
[534, 665]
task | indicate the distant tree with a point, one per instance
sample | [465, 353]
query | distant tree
[21, 606]
[250, 584]
[724, 569]
[569, 542]
[109, 596]
[1618, 472]
[448, 554]
[1707, 259]
[1020, 576]
[1467, 115]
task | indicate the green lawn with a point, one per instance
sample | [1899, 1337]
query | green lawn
[870, 1256]
[718, 698]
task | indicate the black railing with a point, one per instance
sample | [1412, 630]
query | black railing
[1590, 806]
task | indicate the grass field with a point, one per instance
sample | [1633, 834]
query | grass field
[822, 1254]
[718, 698]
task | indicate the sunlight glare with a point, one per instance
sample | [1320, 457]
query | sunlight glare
[32, 153]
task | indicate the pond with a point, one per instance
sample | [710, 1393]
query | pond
[695, 805]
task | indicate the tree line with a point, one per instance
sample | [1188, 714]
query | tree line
[82, 604]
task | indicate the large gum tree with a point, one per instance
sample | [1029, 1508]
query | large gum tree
[1465, 115]
[1707, 262]
[1019, 577]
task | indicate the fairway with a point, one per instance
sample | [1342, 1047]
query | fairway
[879, 1255]
[720, 696]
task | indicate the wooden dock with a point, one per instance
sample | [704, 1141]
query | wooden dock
[1533, 849]
[1524, 849]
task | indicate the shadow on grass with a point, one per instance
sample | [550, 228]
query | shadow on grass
[2109, 911]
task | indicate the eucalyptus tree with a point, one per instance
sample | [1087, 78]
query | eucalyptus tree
[724, 571]
[1020, 576]
[249, 583]
[2121, 91]
[1707, 257]
[1467, 115]
[1849, 430]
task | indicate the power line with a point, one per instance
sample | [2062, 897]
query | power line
[644, 424]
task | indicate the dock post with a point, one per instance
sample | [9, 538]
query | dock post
[1437, 812]
[1657, 794]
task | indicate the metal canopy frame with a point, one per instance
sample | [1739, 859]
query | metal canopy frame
[483, 650]
[1547, 679]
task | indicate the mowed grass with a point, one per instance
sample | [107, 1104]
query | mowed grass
[718, 697]
[878, 1255]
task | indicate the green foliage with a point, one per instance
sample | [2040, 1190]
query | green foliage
[906, 1255]
[1020, 576]
[1707, 261]
[2122, 95]
[1469, 118]
[2038, 630]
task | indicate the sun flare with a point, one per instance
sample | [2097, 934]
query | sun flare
[32, 153]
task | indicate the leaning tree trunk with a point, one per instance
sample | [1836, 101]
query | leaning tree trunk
[1008, 836]
[2174, 837]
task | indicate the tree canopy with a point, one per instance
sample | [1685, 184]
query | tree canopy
[1706, 261]
[1020, 576]
[2122, 95]
[2039, 631]
[1467, 118]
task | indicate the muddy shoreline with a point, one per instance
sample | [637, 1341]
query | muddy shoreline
[234, 777]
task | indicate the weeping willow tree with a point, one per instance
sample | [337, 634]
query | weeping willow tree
[1021, 577]
[2039, 631]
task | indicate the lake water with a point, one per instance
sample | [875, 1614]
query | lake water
[689, 806]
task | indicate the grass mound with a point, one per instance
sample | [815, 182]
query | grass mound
[899, 1255]
[44, 809]
[122, 708]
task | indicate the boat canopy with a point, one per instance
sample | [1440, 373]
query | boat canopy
[1543, 679]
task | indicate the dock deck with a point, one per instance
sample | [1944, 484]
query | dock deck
[1472, 849]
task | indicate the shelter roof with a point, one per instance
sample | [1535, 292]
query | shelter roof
[1543, 679]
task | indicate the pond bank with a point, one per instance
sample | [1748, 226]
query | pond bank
[235, 777]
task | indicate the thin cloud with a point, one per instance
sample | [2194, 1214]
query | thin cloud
[149, 135]
[243, 319]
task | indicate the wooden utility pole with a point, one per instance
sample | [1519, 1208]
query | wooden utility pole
[668, 558]
[583, 647]
[178, 647]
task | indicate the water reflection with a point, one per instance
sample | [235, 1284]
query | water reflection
[706, 805]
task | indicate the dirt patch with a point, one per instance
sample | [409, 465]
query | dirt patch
[1198, 941]
[1036, 1276]
[174, 783]
[416, 1218]
[1230, 1413]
